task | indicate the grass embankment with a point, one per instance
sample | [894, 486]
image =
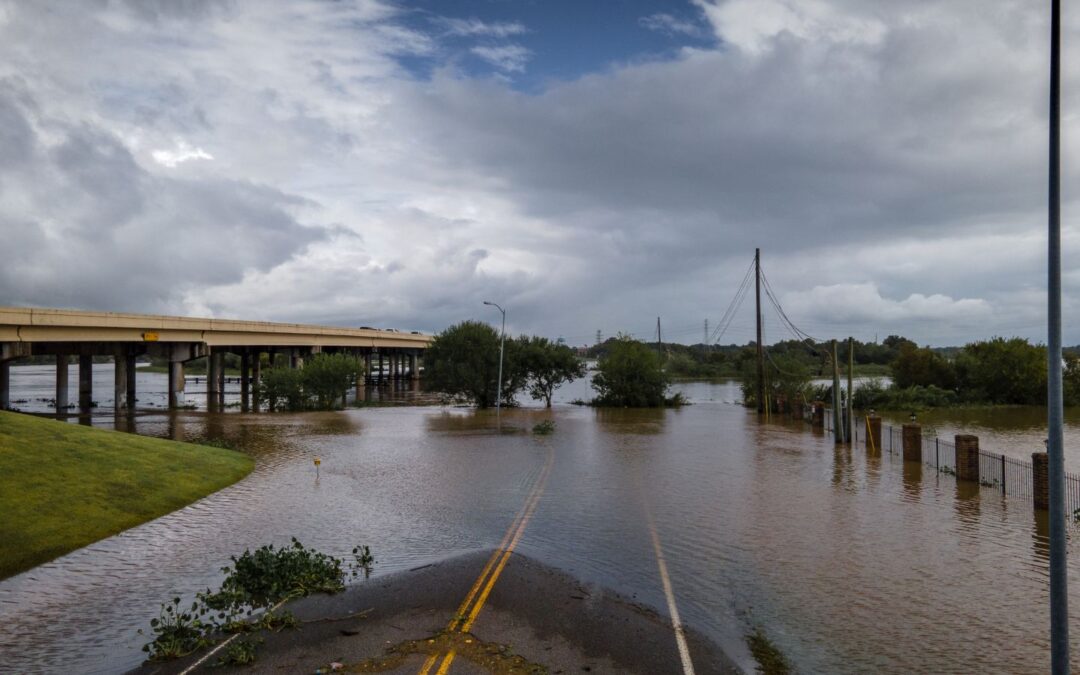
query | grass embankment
[64, 486]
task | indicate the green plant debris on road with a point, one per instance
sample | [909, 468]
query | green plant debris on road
[771, 661]
[64, 486]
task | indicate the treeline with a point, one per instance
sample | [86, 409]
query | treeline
[730, 361]
[997, 371]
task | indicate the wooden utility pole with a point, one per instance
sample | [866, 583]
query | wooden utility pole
[849, 427]
[838, 425]
[760, 349]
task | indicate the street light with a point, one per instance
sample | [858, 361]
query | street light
[502, 343]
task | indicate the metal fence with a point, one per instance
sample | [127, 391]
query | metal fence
[1013, 477]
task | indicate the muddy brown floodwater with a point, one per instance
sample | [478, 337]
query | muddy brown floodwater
[850, 563]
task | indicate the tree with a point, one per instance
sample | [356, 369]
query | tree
[282, 387]
[630, 374]
[463, 361]
[545, 365]
[327, 377]
[1004, 371]
[321, 383]
[921, 367]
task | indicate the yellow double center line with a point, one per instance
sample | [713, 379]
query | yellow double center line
[474, 601]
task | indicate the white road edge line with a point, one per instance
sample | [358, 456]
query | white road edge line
[221, 645]
[676, 622]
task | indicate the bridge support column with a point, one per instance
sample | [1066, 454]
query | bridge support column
[221, 379]
[129, 359]
[367, 365]
[414, 370]
[213, 379]
[61, 382]
[176, 380]
[245, 384]
[5, 385]
[120, 379]
[86, 381]
[256, 376]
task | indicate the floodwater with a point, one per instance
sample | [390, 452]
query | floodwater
[851, 563]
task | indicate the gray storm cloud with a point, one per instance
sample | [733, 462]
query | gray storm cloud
[278, 161]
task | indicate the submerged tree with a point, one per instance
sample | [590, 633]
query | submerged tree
[463, 361]
[546, 365]
[630, 375]
[321, 383]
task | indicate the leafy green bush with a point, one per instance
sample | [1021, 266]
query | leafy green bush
[282, 388]
[544, 428]
[327, 377]
[321, 384]
[256, 580]
[630, 375]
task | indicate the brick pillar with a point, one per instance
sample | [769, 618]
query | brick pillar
[818, 417]
[967, 457]
[1040, 479]
[912, 442]
[873, 440]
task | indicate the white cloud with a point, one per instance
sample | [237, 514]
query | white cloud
[475, 27]
[901, 172]
[183, 152]
[509, 58]
[863, 302]
[667, 24]
[755, 25]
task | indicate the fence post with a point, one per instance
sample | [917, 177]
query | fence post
[873, 436]
[1003, 490]
[912, 442]
[967, 457]
[1040, 479]
[937, 453]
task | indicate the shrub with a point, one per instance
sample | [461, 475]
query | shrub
[630, 375]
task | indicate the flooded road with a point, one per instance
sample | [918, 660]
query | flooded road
[851, 563]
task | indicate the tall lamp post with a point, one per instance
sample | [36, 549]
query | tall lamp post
[502, 343]
[1059, 609]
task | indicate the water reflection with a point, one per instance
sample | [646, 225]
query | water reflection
[912, 480]
[631, 420]
[967, 501]
[846, 558]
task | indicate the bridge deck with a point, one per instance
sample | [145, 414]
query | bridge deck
[18, 324]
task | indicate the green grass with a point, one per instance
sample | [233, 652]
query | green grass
[64, 486]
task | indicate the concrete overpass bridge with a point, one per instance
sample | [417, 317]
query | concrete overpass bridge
[64, 333]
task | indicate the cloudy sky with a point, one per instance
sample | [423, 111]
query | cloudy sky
[588, 165]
